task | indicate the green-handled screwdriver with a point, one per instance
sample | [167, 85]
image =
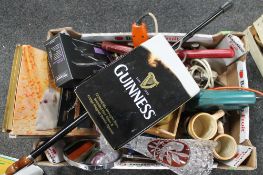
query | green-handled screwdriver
[221, 99]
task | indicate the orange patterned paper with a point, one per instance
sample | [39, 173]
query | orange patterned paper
[33, 80]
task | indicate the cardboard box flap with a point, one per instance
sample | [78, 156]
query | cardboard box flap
[220, 36]
[258, 24]
[68, 30]
[254, 49]
[253, 40]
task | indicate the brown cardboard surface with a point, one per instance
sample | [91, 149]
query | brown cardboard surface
[230, 78]
[68, 30]
[254, 48]
[170, 129]
[258, 24]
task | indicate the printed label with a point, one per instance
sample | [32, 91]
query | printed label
[244, 116]
[55, 153]
[56, 54]
[242, 153]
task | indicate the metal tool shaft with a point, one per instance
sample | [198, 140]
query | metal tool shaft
[59, 135]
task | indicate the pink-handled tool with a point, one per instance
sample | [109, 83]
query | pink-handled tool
[117, 48]
[206, 53]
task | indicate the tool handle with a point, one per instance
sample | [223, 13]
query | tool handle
[117, 48]
[18, 165]
[24, 161]
[206, 53]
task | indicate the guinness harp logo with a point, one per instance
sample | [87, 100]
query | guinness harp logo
[149, 82]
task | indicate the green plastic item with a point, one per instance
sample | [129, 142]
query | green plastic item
[222, 99]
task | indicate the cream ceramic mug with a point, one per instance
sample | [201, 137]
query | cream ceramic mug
[226, 147]
[204, 125]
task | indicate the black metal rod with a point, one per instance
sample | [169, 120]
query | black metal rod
[59, 135]
[190, 34]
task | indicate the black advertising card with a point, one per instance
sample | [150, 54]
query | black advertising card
[73, 60]
[136, 91]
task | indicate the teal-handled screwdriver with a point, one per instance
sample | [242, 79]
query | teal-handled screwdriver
[221, 99]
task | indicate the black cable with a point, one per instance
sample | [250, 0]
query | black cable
[139, 21]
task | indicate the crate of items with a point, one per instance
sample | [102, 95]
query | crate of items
[225, 72]
[136, 100]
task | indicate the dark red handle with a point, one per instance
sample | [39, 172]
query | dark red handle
[117, 48]
[206, 53]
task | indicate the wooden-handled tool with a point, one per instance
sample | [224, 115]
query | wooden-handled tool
[28, 160]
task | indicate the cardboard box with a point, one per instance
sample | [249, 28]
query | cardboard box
[254, 40]
[234, 75]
